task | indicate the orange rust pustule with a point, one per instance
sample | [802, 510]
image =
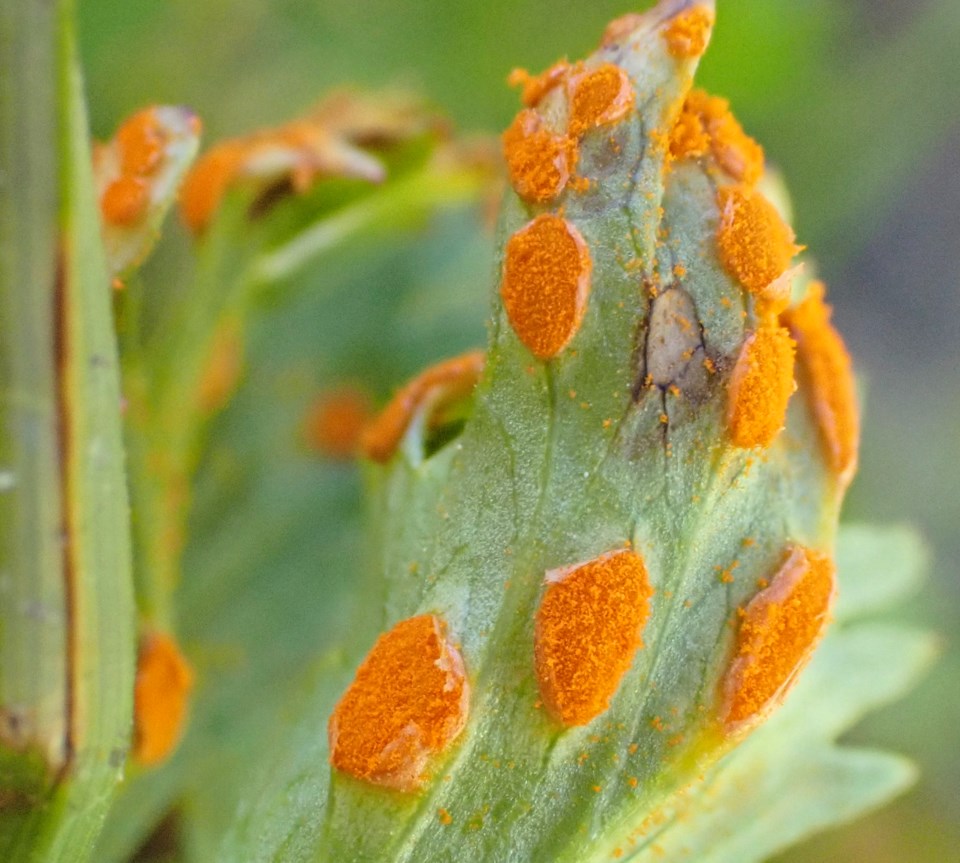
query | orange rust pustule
[706, 126]
[760, 387]
[588, 629]
[207, 182]
[439, 385]
[221, 373]
[141, 140]
[161, 693]
[778, 631]
[538, 160]
[535, 87]
[828, 379]
[599, 97]
[688, 33]
[754, 243]
[125, 200]
[546, 284]
[336, 420]
[408, 702]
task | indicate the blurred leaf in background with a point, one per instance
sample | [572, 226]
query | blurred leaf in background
[855, 99]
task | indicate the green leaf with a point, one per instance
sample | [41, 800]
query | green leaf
[97, 632]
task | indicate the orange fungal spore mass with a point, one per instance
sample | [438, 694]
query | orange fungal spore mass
[161, 692]
[141, 141]
[706, 125]
[539, 161]
[828, 380]
[125, 200]
[778, 632]
[600, 96]
[760, 387]
[535, 87]
[408, 702]
[546, 284]
[688, 33]
[335, 422]
[588, 629]
[208, 181]
[439, 385]
[755, 244]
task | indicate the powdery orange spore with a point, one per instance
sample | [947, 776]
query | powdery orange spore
[539, 161]
[208, 181]
[221, 373]
[707, 126]
[588, 629]
[336, 421]
[828, 380]
[535, 87]
[140, 141]
[599, 97]
[760, 387]
[778, 631]
[755, 244]
[546, 284]
[125, 200]
[407, 703]
[688, 33]
[161, 692]
[439, 385]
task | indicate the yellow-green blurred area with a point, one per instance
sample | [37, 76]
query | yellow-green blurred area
[858, 101]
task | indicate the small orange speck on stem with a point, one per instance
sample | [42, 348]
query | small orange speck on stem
[754, 242]
[778, 632]
[220, 375]
[588, 629]
[125, 200]
[760, 387]
[688, 33]
[336, 420]
[407, 703]
[161, 691]
[546, 284]
[827, 374]
[439, 385]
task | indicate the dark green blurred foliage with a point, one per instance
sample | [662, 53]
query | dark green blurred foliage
[855, 99]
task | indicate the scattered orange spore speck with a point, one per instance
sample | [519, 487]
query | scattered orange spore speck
[754, 243]
[408, 702]
[444, 817]
[599, 97]
[433, 388]
[778, 632]
[207, 182]
[687, 34]
[588, 629]
[830, 386]
[760, 387]
[336, 420]
[539, 162]
[125, 200]
[535, 87]
[140, 140]
[706, 125]
[546, 284]
[224, 364]
[161, 692]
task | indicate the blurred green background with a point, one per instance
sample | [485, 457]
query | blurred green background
[858, 101]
